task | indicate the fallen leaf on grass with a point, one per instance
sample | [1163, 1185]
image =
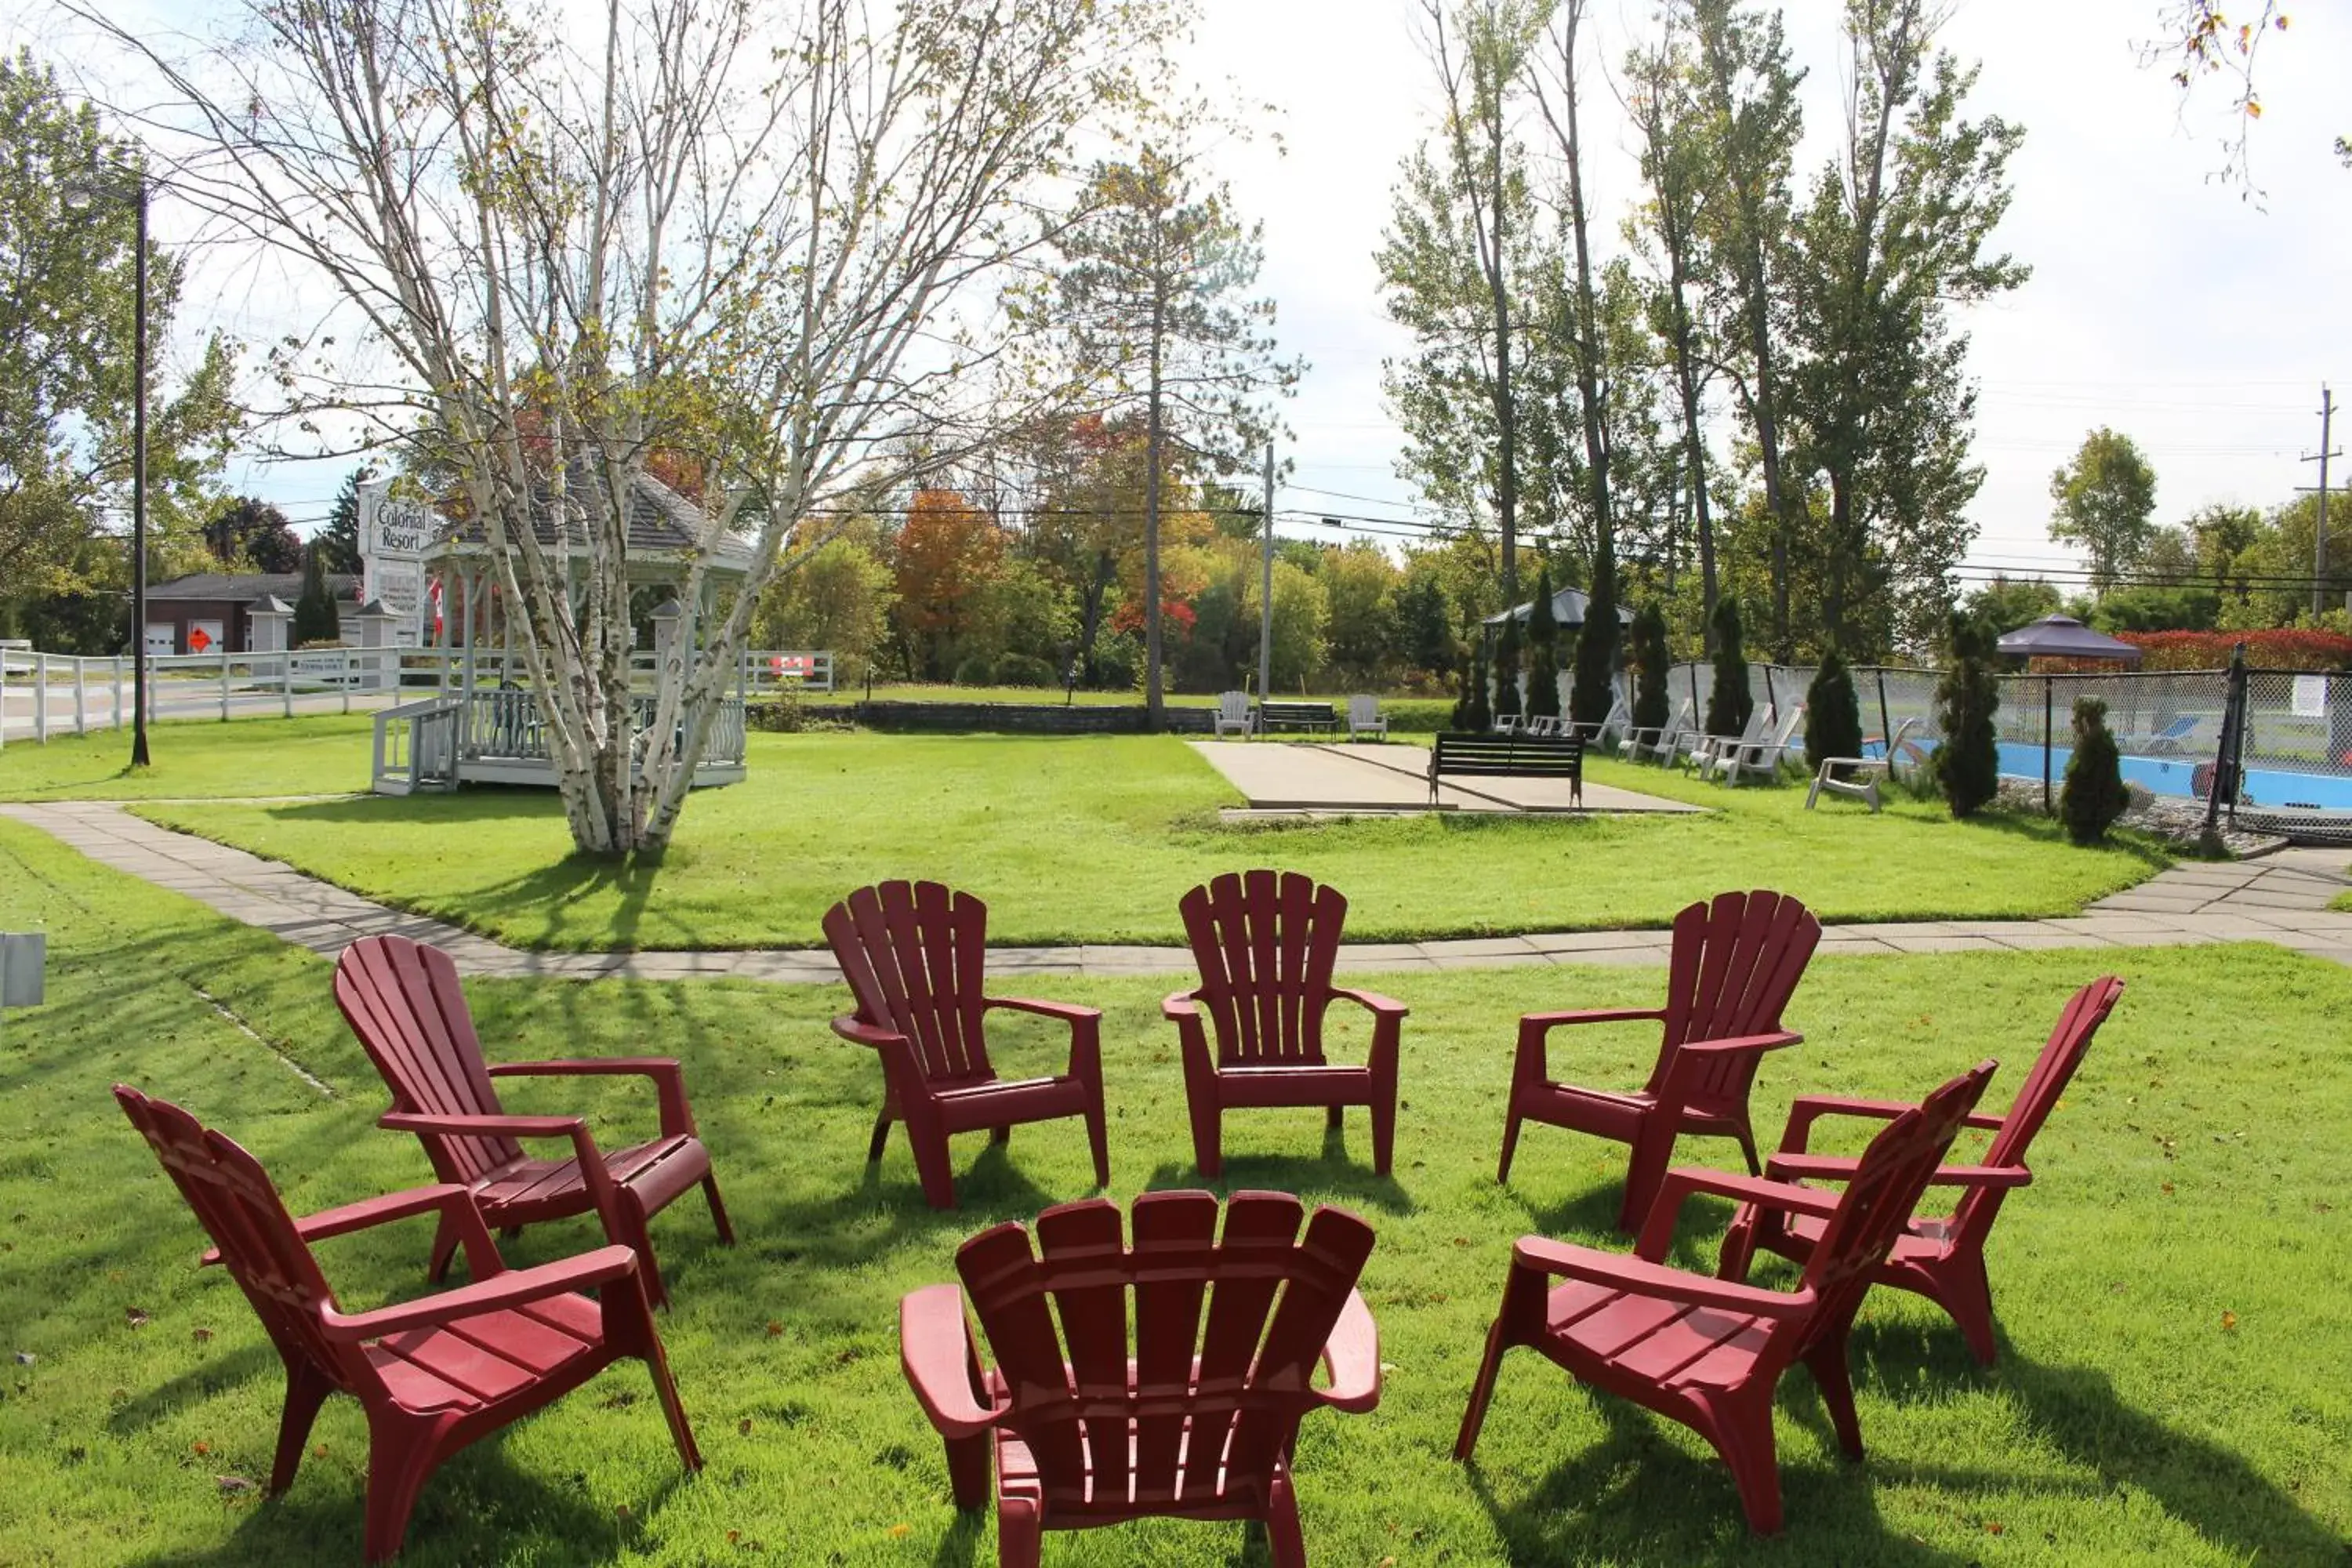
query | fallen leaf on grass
[2229, 1321]
[202, 1336]
[233, 1486]
[745, 1426]
[135, 1316]
[201, 1447]
[775, 1329]
[899, 1532]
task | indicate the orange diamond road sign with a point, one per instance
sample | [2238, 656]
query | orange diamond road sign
[199, 641]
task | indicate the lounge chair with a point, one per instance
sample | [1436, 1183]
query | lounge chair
[1862, 774]
[2167, 742]
[1760, 758]
[1543, 724]
[1233, 714]
[1596, 735]
[1661, 742]
[1365, 718]
[1706, 749]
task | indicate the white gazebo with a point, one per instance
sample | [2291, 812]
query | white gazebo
[485, 726]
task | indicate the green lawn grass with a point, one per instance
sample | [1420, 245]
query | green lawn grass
[1094, 839]
[2170, 1291]
[261, 755]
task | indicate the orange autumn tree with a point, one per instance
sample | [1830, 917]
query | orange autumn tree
[950, 554]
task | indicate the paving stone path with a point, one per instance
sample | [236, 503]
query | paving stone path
[2280, 898]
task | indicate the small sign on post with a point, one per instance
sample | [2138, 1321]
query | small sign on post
[22, 957]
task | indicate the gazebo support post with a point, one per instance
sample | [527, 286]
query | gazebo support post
[2048, 703]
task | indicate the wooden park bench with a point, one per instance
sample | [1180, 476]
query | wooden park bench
[1295, 716]
[1524, 756]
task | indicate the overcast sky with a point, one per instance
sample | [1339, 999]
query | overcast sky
[2197, 322]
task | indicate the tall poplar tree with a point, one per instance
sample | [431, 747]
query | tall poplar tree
[1152, 288]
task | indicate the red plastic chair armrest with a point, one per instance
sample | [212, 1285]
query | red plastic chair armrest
[2004, 1176]
[1353, 1355]
[857, 1031]
[936, 1350]
[1684, 1181]
[514, 1288]
[1571, 1261]
[1070, 1013]
[668, 1076]
[447, 1198]
[1373, 1002]
[1181, 1006]
[1776, 1040]
[1808, 1108]
[1544, 1021]
[593, 1174]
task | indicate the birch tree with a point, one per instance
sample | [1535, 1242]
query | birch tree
[772, 239]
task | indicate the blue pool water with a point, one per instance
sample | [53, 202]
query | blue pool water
[2170, 776]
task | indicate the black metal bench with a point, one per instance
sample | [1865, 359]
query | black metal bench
[1295, 716]
[1471, 755]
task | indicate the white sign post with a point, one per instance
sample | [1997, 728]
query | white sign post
[393, 534]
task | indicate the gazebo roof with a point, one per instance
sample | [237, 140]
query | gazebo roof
[1568, 607]
[2063, 637]
[664, 527]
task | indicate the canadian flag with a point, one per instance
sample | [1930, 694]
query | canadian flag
[434, 589]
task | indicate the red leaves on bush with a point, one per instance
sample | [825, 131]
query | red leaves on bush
[2282, 648]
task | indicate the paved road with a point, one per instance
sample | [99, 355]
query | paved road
[2279, 899]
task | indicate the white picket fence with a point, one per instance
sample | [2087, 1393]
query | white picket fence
[46, 694]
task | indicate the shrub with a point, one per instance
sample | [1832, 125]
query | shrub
[1593, 693]
[1832, 713]
[315, 617]
[1507, 671]
[1025, 669]
[1476, 715]
[975, 671]
[1543, 652]
[1968, 764]
[2093, 797]
[1730, 705]
[1653, 664]
[2280, 648]
[786, 714]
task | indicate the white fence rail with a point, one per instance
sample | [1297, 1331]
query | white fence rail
[46, 694]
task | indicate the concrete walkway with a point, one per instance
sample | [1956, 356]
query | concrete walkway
[2280, 899]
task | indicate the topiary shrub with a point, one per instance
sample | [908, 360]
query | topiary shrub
[1832, 713]
[1543, 652]
[975, 671]
[2093, 797]
[1476, 715]
[1652, 666]
[1507, 671]
[1592, 692]
[1967, 763]
[1730, 705]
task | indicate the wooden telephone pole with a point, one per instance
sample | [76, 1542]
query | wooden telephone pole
[2319, 535]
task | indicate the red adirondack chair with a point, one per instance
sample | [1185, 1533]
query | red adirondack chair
[403, 1000]
[433, 1376]
[1185, 1418]
[1710, 1352]
[1733, 963]
[1940, 1257]
[915, 955]
[1266, 943]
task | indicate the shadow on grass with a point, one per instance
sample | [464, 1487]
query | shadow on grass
[468, 1507]
[1333, 1176]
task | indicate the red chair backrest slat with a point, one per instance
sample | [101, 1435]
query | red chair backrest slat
[1736, 962]
[2069, 1042]
[236, 1202]
[1879, 1201]
[1265, 942]
[403, 1000]
[915, 955]
[1214, 1398]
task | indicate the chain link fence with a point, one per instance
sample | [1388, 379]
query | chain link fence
[2293, 747]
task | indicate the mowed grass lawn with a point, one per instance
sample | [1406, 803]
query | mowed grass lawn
[2171, 1291]
[1069, 839]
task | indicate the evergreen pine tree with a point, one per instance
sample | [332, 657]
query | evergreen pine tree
[1832, 713]
[1543, 652]
[315, 619]
[1730, 703]
[2093, 797]
[1652, 664]
[1967, 763]
[1479, 718]
[1592, 692]
[1467, 676]
[1506, 671]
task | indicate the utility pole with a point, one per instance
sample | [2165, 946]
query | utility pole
[2319, 534]
[1265, 589]
[139, 489]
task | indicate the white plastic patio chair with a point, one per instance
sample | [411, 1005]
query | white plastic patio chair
[1862, 774]
[1365, 718]
[1660, 740]
[1757, 759]
[1233, 714]
[1705, 748]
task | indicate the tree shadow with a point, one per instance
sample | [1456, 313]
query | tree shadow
[468, 1507]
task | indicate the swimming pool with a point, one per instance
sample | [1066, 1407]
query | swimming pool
[2274, 787]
